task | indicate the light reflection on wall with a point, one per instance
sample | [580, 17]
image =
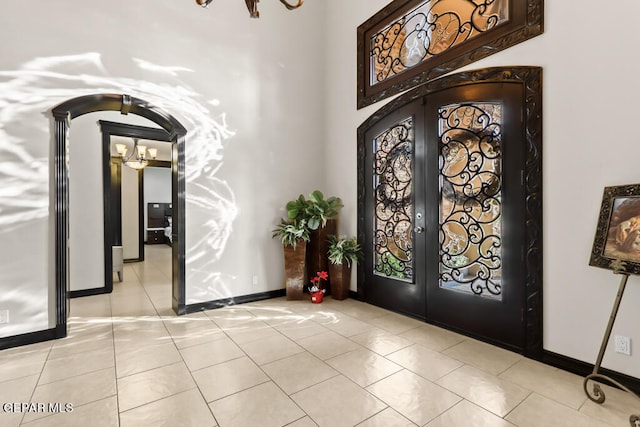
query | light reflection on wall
[42, 83]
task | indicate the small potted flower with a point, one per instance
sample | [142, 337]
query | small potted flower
[315, 289]
[342, 253]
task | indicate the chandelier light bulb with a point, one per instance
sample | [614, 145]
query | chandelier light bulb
[121, 149]
[142, 150]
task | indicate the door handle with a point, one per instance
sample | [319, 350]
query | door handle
[418, 230]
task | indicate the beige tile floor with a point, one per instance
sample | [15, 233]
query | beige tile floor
[128, 361]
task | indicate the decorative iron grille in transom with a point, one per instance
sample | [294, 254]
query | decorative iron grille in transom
[393, 209]
[470, 198]
[432, 27]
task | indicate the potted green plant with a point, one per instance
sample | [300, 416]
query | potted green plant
[342, 252]
[320, 215]
[316, 211]
[294, 236]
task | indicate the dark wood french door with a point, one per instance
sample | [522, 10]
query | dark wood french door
[475, 234]
[394, 265]
[443, 211]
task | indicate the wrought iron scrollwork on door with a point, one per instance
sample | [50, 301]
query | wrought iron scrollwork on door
[470, 198]
[393, 187]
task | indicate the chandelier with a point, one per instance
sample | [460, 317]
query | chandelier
[137, 158]
[252, 5]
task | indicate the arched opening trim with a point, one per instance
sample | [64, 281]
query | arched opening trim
[63, 114]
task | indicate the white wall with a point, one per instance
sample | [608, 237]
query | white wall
[590, 85]
[130, 204]
[86, 215]
[249, 93]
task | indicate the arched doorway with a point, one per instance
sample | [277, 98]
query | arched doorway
[63, 114]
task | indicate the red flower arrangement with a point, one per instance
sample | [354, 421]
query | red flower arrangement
[315, 282]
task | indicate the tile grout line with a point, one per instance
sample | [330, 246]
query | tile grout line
[195, 382]
[265, 373]
[115, 362]
[37, 382]
[179, 353]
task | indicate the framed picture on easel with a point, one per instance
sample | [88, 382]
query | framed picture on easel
[616, 245]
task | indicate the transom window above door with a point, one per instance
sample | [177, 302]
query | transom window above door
[410, 42]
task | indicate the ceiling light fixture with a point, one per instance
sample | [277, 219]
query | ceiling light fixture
[252, 5]
[137, 158]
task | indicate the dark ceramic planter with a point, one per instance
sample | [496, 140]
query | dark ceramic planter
[294, 270]
[340, 279]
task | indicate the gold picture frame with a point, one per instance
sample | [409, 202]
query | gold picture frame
[616, 245]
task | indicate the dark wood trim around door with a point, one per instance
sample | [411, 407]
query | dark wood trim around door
[112, 188]
[141, 231]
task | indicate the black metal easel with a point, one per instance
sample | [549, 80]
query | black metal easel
[598, 395]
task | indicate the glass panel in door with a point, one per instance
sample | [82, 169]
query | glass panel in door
[393, 188]
[470, 213]
[393, 195]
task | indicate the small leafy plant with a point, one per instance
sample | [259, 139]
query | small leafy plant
[390, 266]
[315, 211]
[289, 232]
[457, 261]
[298, 209]
[343, 250]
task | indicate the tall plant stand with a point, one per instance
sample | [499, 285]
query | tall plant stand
[598, 395]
